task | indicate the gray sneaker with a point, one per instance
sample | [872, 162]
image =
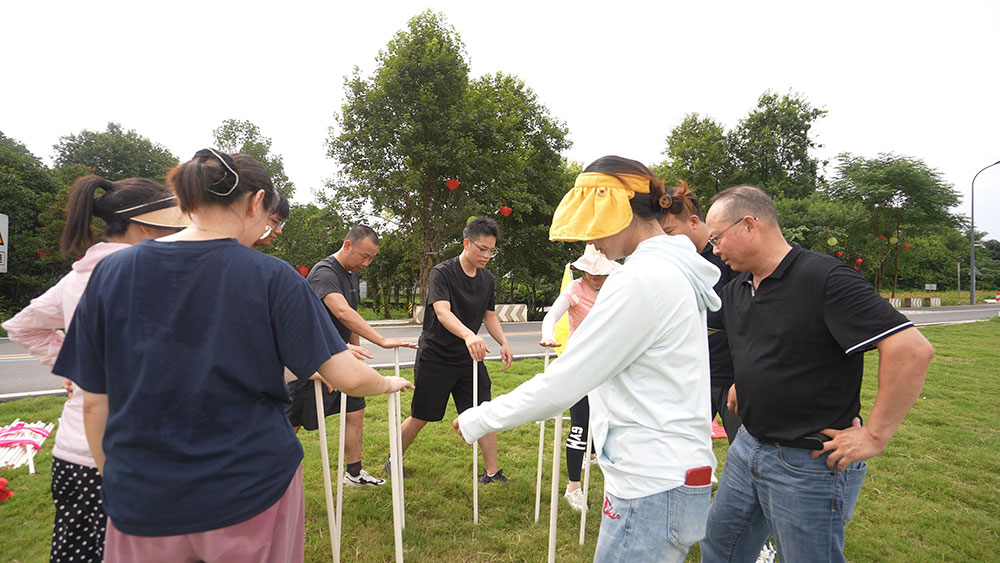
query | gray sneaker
[388, 473]
[497, 477]
[363, 479]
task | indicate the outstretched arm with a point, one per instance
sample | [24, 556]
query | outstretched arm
[341, 309]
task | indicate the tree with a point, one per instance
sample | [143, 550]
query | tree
[902, 198]
[771, 146]
[27, 188]
[698, 152]
[419, 121]
[310, 234]
[243, 137]
[115, 154]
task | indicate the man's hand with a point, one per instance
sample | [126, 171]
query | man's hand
[397, 384]
[477, 347]
[397, 343]
[505, 355]
[360, 352]
[549, 344]
[849, 445]
[731, 402]
[318, 377]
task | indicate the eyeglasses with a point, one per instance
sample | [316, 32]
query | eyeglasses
[491, 252]
[278, 224]
[714, 241]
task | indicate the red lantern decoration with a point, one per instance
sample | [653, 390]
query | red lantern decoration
[506, 211]
[839, 254]
[303, 270]
[881, 237]
[857, 269]
[452, 184]
[906, 246]
[859, 261]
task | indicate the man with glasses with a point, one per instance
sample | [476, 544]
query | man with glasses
[460, 299]
[798, 324]
[334, 279]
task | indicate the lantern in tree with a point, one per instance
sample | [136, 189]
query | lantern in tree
[303, 270]
[832, 241]
[506, 211]
[839, 254]
[857, 269]
[881, 237]
[906, 246]
[859, 261]
[452, 184]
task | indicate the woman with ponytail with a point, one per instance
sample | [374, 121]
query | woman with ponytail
[179, 346]
[641, 358]
[132, 210]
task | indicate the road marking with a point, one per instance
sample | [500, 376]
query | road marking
[17, 358]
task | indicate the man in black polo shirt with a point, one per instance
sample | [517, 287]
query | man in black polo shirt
[460, 299]
[798, 324]
[334, 279]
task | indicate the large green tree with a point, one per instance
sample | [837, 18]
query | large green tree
[771, 147]
[115, 153]
[901, 197]
[698, 153]
[419, 121]
[244, 137]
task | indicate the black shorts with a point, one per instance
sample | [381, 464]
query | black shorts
[302, 411]
[434, 381]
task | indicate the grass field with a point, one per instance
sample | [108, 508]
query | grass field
[933, 495]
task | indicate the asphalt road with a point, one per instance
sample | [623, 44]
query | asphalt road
[22, 375]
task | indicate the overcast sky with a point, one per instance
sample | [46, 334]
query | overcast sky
[913, 78]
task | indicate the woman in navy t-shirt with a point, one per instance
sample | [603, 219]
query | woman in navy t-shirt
[179, 345]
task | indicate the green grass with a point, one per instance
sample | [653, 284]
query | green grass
[934, 494]
[947, 297]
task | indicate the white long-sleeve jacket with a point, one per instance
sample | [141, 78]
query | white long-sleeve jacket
[39, 328]
[641, 356]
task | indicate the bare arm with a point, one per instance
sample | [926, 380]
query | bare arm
[95, 419]
[341, 309]
[902, 368]
[492, 323]
[476, 345]
[345, 372]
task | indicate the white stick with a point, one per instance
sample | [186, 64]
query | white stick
[586, 484]
[554, 503]
[340, 473]
[399, 447]
[541, 449]
[475, 446]
[395, 477]
[327, 487]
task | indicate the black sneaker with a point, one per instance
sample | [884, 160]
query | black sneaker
[498, 477]
[388, 473]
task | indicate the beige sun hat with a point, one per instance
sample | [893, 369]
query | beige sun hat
[594, 263]
[163, 213]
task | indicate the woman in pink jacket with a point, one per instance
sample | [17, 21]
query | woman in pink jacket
[132, 210]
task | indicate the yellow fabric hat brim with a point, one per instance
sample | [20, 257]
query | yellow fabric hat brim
[596, 207]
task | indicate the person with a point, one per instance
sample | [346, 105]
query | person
[276, 223]
[799, 323]
[132, 209]
[335, 281]
[684, 218]
[460, 299]
[641, 356]
[178, 345]
[577, 300]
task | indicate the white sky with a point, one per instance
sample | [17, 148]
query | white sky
[914, 78]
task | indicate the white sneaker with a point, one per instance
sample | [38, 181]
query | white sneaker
[575, 499]
[767, 553]
[363, 479]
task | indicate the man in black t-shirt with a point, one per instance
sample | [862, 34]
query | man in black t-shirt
[334, 279]
[799, 323]
[683, 217]
[460, 299]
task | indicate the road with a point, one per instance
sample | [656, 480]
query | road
[21, 374]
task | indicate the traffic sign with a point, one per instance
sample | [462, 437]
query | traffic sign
[4, 243]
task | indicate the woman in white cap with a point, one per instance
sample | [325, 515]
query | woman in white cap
[132, 210]
[641, 356]
[577, 300]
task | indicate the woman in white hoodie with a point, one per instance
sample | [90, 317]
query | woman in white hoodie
[641, 356]
[132, 210]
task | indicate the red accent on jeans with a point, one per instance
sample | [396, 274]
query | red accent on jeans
[610, 510]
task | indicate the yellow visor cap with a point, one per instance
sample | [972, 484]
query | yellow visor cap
[596, 207]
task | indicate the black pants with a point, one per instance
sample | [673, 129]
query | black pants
[576, 442]
[78, 532]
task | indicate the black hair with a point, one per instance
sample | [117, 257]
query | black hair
[361, 232]
[747, 200]
[281, 209]
[646, 206]
[482, 227]
[118, 196]
[216, 178]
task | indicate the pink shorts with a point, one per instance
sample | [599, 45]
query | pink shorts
[275, 535]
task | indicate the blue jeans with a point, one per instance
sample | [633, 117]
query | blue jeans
[660, 527]
[773, 490]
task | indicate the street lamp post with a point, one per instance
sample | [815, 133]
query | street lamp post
[972, 237]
